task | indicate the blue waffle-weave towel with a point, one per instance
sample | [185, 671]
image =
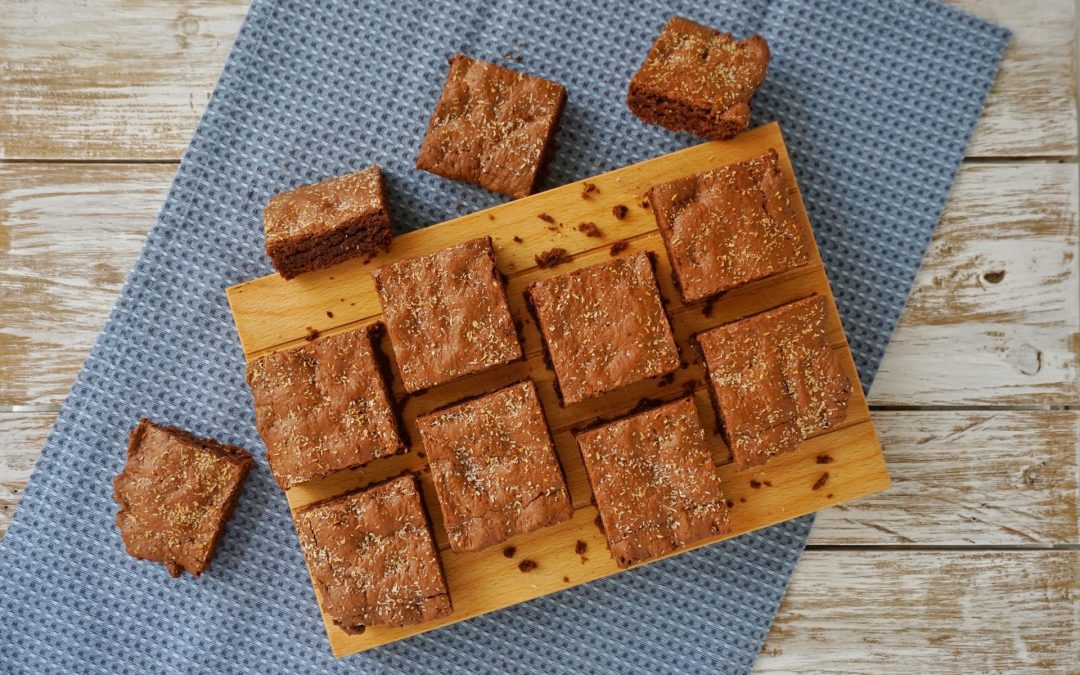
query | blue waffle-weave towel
[877, 101]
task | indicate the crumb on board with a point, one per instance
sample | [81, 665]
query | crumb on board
[618, 247]
[491, 217]
[828, 496]
[509, 552]
[566, 580]
[551, 257]
[599, 523]
[545, 217]
[518, 239]
[755, 484]
[619, 211]
[820, 482]
[730, 504]
[580, 547]
[588, 190]
[643, 201]
[742, 500]
[767, 483]
[312, 334]
[590, 229]
[527, 565]
[329, 314]
[825, 459]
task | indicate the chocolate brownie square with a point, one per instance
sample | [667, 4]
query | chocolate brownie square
[774, 379]
[698, 79]
[493, 127]
[372, 558]
[654, 482]
[494, 467]
[729, 226]
[315, 226]
[604, 326]
[447, 315]
[324, 406]
[176, 493]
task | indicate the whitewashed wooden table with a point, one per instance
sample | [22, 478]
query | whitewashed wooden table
[971, 562]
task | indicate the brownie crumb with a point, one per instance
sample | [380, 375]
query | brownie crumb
[551, 258]
[491, 217]
[599, 522]
[584, 560]
[828, 496]
[590, 230]
[509, 552]
[580, 547]
[312, 334]
[527, 565]
[767, 483]
[566, 580]
[755, 484]
[825, 459]
[820, 483]
[421, 454]
[665, 380]
[730, 504]
[994, 277]
[618, 247]
[742, 500]
[643, 202]
[588, 189]
[518, 239]
[545, 217]
[619, 211]
[329, 314]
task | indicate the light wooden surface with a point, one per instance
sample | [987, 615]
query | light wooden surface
[272, 314]
[967, 564]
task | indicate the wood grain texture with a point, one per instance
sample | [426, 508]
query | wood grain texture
[928, 612]
[273, 314]
[130, 80]
[994, 316]
[23, 435]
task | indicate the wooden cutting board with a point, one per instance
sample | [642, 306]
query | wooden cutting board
[272, 314]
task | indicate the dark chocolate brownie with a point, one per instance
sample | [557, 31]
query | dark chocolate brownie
[494, 467]
[176, 493]
[372, 557]
[654, 482]
[729, 226]
[774, 379]
[493, 127]
[604, 326]
[324, 407]
[315, 226]
[698, 79]
[447, 315]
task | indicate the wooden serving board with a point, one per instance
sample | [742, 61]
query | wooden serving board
[272, 314]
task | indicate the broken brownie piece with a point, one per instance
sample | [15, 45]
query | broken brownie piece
[654, 482]
[493, 127]
[324, 407]
[447, 314]
[315, 226]
[494, 467]
[774, 379]
[176, 493]
[729, 226]
[372, 557]
[604, 326]
[698, 79]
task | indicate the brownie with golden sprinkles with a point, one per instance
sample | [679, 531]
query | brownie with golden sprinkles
[492, 126]
[324, 407]
[604, 326]
[318, 225]
[494, 467]
[698, 79]
[372, 557]
[729, 226]
[176, 493]
[774, 379]
[654, 482]
[447, 315]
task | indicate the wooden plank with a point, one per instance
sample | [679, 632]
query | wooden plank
[272, 314]
[928, 612]
[23, 437]
[68, 236]
[994, 318]
[130, 80]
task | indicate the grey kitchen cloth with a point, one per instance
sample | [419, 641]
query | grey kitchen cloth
[877, 101]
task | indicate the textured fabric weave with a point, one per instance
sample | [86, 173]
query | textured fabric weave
[877, 101]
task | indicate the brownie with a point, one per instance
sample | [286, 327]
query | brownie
[372, 557]
[698, 79]
[493, 127]
[494, 467]
[604, 326]
[654, 482]
[774, 379]
[176, 493]
[729, 226]
[447, 315]
[315, 226]
[324, 407]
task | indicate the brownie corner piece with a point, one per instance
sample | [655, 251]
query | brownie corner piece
[729, 226]
[654, 482]
[314, 226]
[372, 557]
[176, 492]
[774, 379]
[494, 467]
[447, 315]
[324, 406]
[699, 80]
[493, 127]
[594, 344]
